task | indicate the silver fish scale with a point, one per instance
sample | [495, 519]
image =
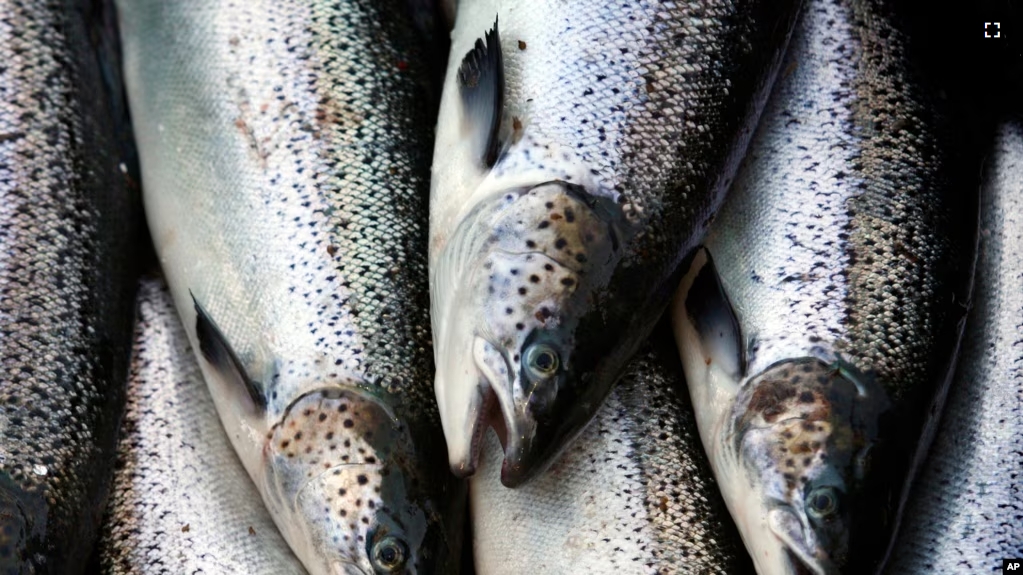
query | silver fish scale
[633, 494]
[967, 511]
[635, 92]
[65, 310]
[336, 157]
[181, 501]
[856, 248]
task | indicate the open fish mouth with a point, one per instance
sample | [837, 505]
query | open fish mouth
[509, 291]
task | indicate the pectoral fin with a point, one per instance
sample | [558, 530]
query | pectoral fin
[218, 353]
[711, 313]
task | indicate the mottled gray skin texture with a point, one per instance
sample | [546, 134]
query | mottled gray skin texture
[181, 501]
[966, 512]
[647, 107]
[632, 495]
[284, 148]
[65, 288]
[847, 248]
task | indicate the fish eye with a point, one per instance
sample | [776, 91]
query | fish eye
[822, 502]
[389, 555]
[541, 360]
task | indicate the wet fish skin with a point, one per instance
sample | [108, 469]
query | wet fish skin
[819, 328]
[618, 132]
[966, 511]
[181, 501]
[66, 285]
[284, 159]
[633, 494]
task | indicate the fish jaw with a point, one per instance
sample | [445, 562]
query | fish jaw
[509, 290]
[340, 480]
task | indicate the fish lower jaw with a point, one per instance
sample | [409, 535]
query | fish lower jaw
[489, 416]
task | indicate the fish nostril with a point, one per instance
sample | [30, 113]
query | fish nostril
[542, 398]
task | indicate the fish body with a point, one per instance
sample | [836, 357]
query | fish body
[181, 502]
[66, 285]
[819, 325]
[966, 511]
[284, 154]
[633, 494]
[581, 151]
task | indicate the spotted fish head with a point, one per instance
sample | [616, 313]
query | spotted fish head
[803, 432]
[343, 483]
[508, 292]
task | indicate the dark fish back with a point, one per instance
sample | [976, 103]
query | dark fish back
[65, 288]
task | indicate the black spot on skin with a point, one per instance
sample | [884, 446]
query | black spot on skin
[342, 491]
[560, 243]
[343, 513]
[807, 426]
[508, 310]
[348, 443]
[520, 326]
[362, 479]
[349, 423]
[298, 436]
[285, 444]
[322, 417]
[806, 462]
[569, 215]
[580, 258]
[370, 459]
[550, 205]
[522, 291]
[544, 224]
[790, 462]
[515, 272]
[342, 408]
[330, 435]
[530, 244]
[548, 267]
[534, 278]
[567, 281]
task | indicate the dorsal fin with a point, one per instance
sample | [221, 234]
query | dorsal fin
[214, 348]
[481, 85]
[712, 315]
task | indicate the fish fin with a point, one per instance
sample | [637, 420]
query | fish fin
[481, 86]
[215, 350]
[714, 318]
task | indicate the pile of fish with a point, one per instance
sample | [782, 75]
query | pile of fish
[723, 286]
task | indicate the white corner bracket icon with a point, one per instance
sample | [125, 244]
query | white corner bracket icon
[995, 33]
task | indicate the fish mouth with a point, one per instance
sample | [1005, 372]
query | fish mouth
[797, 557]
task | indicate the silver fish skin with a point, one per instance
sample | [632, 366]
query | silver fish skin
[634, 494]
[819, 327]
[181, 502]
[66, 287]
[284, 149]
[581, 150]
[966, 512]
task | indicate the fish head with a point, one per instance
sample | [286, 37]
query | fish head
[344, 486]
[803, 431]
[509, 290]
